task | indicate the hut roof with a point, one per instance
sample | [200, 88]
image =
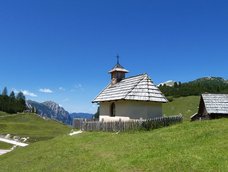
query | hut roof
[139, 88]
[216, 103]
[118, 68]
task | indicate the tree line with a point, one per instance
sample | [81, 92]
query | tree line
[197, 87]
[12, 103]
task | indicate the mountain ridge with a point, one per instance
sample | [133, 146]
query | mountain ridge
[52, 110]
[205, 78]
[210, 78]
[197, 87]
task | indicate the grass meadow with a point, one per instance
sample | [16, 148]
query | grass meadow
[190, 146]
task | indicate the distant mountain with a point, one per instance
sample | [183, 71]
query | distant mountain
[82, 115]
[51, 110]
[210, 80]
[169, 83]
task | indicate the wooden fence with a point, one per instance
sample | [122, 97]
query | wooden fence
[115, 126]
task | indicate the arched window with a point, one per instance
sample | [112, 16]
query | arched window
[113, 110]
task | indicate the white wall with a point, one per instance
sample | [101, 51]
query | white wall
[130, 109]
[116, 118]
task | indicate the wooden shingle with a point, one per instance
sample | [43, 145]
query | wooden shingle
[139, 88]
[216, 103]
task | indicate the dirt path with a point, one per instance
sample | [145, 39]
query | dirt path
[2, 151]
[75, 132]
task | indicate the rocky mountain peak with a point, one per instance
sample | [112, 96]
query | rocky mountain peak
[50, 109]
[169, 83]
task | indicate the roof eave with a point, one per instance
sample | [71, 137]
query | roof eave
[97, 101]
[118, 70]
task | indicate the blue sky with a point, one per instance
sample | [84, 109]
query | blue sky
[62, 50]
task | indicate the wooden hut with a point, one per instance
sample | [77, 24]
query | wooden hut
[212, 106]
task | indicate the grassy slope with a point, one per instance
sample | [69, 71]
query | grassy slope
[3, 113]
[2, 144]
[30, 125]
[5, 145]
[196, 146]
[186, 106]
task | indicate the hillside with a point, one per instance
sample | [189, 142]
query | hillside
[186, 106]
[196, 146]
[31, 125]
[196, 87]
[3, 113]
[5, 145]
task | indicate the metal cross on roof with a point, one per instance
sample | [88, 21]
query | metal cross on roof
[118, 59]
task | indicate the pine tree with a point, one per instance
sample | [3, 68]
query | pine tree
[12, 95]
[4, 92]
[21, 102]
[179, 84]
[97, 114]
[20, 96]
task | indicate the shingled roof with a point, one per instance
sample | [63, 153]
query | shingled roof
[139, 88]
[216, 103]
[118, 68]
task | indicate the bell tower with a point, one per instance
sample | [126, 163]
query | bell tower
[118, 72]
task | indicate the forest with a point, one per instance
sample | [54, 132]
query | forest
[12, 103]
[196, 87]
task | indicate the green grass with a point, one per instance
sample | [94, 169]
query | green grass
[31, 125]
[190, 146]
[5, 145]
[187, 106]
[3, 113]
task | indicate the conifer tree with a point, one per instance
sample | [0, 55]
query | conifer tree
[97, 114]
[12, 95]
[20, 95]
[10, 104]
[4, 92]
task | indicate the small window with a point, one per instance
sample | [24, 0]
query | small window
[113, 110]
